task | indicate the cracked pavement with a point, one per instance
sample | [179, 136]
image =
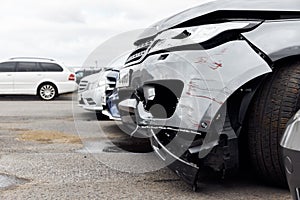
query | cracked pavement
[46, 167]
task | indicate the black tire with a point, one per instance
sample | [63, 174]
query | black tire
[275, 103]
[47, 91]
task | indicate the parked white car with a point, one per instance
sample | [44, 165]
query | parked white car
[35, 76]
[94, 89]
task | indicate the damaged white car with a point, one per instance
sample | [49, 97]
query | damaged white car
[216, 84]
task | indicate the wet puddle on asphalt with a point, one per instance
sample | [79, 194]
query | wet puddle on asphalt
[9, 181]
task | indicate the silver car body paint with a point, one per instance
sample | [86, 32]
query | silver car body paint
[291, 138]
[290, 145]
[92, 97]
[209, 78]
[285, 33]
[198, 34]
[223, 5]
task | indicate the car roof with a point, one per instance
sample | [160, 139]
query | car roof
[31, 59]
[35, 59]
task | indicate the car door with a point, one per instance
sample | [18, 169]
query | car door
[27, 76]
[7, 71]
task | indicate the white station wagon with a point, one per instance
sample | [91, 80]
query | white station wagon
[35, 76]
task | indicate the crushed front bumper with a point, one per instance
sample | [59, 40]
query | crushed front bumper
[185, 170]
[197, 85]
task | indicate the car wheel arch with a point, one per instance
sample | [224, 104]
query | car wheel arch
[244, 101]
[47, 82]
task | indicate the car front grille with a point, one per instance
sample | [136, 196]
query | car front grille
[140, 51]
[83, 85]
[110, 85]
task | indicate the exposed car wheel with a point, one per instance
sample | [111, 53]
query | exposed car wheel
[275, 103]
[47, 91]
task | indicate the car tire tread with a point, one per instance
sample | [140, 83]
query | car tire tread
[275, 103]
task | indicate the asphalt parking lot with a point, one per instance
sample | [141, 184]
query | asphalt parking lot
[55, 150]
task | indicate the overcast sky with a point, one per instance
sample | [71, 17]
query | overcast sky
[69, 30]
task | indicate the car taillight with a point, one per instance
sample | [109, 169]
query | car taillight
[72, 77]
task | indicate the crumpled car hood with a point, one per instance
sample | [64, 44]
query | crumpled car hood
[220, 5]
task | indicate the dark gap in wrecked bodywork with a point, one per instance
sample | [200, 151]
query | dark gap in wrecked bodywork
[239, 101]
[140, 50]
[183, 156]
[167, 96]
[259, 52]
[231, 15]
[222, 38]
[221, 16]
[238, 111]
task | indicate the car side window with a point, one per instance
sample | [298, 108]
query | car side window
[28, 67]
[7, 67]
[51, 67]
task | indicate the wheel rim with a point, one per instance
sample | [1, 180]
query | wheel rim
[47, 92]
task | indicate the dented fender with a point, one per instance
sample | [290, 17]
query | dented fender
[186, 68]
[209, 77]
[277, 39]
